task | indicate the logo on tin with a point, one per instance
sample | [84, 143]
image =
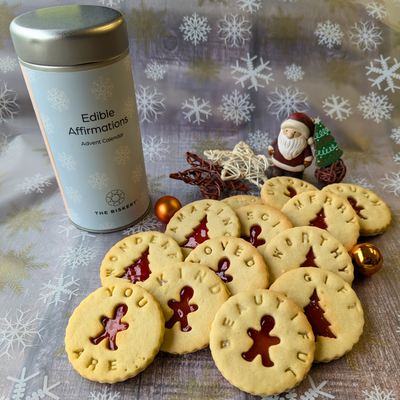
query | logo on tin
[115, 198]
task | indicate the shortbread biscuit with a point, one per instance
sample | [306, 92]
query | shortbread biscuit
[202, 220]
[114, 333]
[276, 192]
[373, 213]
[260, 223]
[331, 306]
[189, 295]
[326, 211]
[262, 342]
[137, 256]
[241, 200]
[307, 246]
[240, 266]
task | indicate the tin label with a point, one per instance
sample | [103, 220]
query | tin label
[90, 124]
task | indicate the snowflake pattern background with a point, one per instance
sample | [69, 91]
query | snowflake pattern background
[294, 72]
[78, 256]
[150, 104]
[234, 30]
[366, 35]
[18, 331]
[8, 103]
[236, 107]
[329, 34]
[375, 107]
[155, 71]
[195, 28]
[286, 100]
[36, 183]
[208, 74]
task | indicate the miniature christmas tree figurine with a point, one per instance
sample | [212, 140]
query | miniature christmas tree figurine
[330, 167]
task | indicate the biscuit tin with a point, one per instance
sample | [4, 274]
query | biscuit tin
[77, 68]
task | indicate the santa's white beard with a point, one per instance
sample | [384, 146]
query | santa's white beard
[291, 148]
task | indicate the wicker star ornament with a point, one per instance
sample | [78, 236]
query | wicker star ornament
[207, 177]
[241, 162]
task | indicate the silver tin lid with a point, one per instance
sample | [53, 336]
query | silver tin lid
[69, 35]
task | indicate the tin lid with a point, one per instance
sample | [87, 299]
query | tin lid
[69, 35]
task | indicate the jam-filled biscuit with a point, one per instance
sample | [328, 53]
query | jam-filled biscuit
[114, 333]
[276, 192]
[202, 220]
[307, 246]
[241, 200]
[137, 256]
[331, 306]
[262, 343]
[373, 213]
[260, 223]
[189, 295]
[326, 211]
[240, 266]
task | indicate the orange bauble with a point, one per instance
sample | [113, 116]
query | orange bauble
[166, 207]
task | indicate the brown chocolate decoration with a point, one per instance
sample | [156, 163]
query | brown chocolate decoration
[332, 173]
[207, 177]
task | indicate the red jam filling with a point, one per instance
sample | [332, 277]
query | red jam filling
[181, 310]
[292, 192]
[310, 259]
[199, 235]
[112, 326]
[319, 221]
[223, 266]
[357, 209]
[139, 271]
[262, 341]
[315, 316]
[254, 233]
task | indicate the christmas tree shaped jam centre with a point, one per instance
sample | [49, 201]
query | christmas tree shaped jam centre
[199, 235]
[356, 208]
[319, 221]
[223, 266]
[112, 326]
[262, 342]
[316, 318]
[292, 192]
[139, 271]
[310, 259]
[253, 238]
[181, 309]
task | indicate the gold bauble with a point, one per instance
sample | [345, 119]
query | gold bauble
[367, 259]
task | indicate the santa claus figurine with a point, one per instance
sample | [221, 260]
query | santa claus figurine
[291, 150]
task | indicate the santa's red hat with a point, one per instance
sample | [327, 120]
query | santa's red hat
[301, 123]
